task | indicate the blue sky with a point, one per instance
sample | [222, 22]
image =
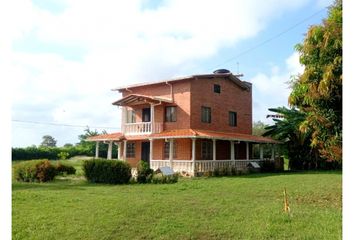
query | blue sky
[65, 56]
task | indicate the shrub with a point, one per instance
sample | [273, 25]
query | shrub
[268, 166]
[34, 171]
[62, 168]
[144, 172]
[63, 155]
[107, 171]
[159, 178]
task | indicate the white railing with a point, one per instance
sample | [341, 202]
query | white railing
[201, 165]
[142, 128]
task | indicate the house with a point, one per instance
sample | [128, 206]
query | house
[191, 124]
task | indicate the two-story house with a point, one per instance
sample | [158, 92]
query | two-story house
[191, 124]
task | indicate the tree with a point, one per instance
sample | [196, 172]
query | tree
[258, 128]
[48, 141]
[66, 145]
[318, 91]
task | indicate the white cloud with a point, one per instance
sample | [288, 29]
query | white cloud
[124, 43]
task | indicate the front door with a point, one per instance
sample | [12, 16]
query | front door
[146, 116]
[145, 152]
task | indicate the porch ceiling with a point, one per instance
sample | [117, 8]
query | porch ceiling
[137, 99]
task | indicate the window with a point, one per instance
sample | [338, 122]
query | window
[130, 116]
[206, 114]
[130, 150]
[166, 151]
[233, 119]
[217, 88]
[171, 114]
[207, 150]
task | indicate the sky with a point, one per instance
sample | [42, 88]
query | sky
[64, 57]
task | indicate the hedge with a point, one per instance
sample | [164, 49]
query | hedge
[107, 171]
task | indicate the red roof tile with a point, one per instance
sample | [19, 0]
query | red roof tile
[106, 137]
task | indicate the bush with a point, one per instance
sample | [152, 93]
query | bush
[159, 178]
[35, 171]
[107, 171]
[62, 168]
[63, 155]
[144, 172]
[268, 166]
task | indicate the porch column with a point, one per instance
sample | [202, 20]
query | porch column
[247, 151]
[273, 151]
[232, 143]
[214, 149]
[119, 150]
[261, 151]
[125, 150]
[171, 153]
[124, 119]
[97, 149]
[152, 117]
[151, 150]
[109, 153]
[193, 155]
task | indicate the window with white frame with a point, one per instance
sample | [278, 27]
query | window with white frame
[130, 116]
[166, 151]
[130, 150]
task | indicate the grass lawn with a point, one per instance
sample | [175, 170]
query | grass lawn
[243, 207]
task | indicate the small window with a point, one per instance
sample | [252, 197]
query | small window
[166, 151]
[206, 114]
[217, 88]
[171, 114]
[130, 116]
[207, 150]
[130, 150]
[233, 119]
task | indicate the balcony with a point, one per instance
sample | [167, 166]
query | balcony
[142, 128]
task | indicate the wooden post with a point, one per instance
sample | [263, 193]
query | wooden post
[247, 151]
[109, 153]
[171, 153]
[97, 149]
[261, 151]
[232, 143]
[125, 150]
[193, 156]
[214, 149]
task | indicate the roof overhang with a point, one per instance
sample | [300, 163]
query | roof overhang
[137, 99]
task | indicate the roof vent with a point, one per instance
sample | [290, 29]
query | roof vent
[221, 71]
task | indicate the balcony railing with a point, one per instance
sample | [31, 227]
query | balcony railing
[142, 128]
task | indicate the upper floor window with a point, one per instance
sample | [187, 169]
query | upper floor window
[166, 151]
[233, 119]
[171, 114]
[217, 88]
[207, 150]
[206, 114]
[130, 150]
[130, 116]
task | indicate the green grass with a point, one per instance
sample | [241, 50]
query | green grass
[244, 207]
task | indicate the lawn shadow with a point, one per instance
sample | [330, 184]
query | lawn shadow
[286, 173]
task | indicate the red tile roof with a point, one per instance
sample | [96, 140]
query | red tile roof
[185, 133]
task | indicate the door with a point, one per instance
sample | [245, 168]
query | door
[145, 152]
[146, 116]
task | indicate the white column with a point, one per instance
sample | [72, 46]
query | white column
[273, 151]
[171, 153]
[152, 117]
[261, 151]
[119, 150]
[232, 143]
[193, 155]
[125, 150]
[214, 149]
[247, 151]
[97, 149]
[124, 119]
[151, 149]
[109, 153]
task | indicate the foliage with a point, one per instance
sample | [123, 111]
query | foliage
[318, 91]
[258, 128]
[34, 152]
[63, 155]
[268, 166]
[48, 141]
[298, 150]
[144, 172]
[159, 178]
[107, 171]
[37, 170]
[62, 168]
